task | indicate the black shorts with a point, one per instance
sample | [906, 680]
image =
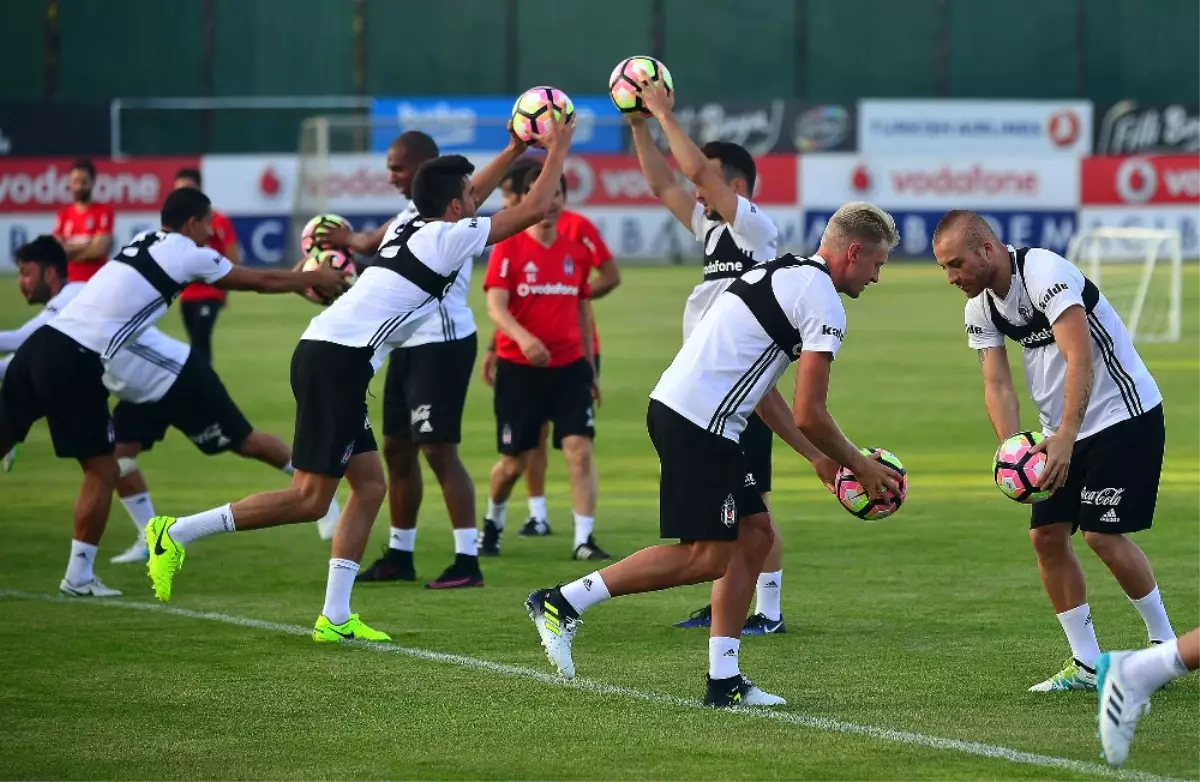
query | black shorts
[756, 441]
[527, 397]
[705, 487]
[330, 385]
[1112, 486]
[426, 390]
[54, 377]
[197, 404]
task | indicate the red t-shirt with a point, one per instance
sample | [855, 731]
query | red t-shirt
[76, 226]
[223, 237]
[584, 231]
[545, 285]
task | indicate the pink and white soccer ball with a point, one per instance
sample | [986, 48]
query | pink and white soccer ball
[854, 497]
[535, 109]
[1017, 470]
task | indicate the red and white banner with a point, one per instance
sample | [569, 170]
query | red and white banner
[616, 180]
[655, 234]
[1136, 181]
[134, 185]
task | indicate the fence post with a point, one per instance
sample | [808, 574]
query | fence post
[1080, 23]
[512, 54]
[208, 71]
[658, 30]
[941, 84]
[800, 31]
[50, 51]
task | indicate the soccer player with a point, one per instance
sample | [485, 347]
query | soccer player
[57, 373]
[783, 311]
[200, 304]
[537, 291]
[1127, 680]
[84, 228]
[424, 395]
[334, 362]
[1099, 407]
[736, 234]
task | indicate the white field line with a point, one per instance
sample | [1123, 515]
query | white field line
[802, 720]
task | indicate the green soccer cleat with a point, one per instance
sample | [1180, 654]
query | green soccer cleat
[166, 556]
[353, 629]
[1074, 676]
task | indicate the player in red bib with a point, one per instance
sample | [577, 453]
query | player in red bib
[200, 303]
[537, 295]
[84, 228]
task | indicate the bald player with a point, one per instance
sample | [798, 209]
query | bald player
[1100, 410]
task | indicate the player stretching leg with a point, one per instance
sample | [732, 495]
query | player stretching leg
[58, 372]
[783, 311]
[1128, 679]
[1099, 407]
[736, 235]
[333, 364]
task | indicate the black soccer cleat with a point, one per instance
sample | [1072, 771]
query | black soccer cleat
[394, 565]
[737, 691]
[590, 551]
[759, 624]
[463, 572]
[490, 545]
[535, 528]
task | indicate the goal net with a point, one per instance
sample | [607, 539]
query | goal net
[1140, 271]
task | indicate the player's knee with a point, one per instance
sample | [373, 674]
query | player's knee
[400, 455]
[102, 468]
[512, 467]
[1050, 541]
[370, 491]
[1104, 544]
[710, 559]
[578, 452]
[442, 457]
[126, 466]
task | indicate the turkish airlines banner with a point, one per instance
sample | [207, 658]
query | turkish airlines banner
[1164, 179]
[975, 127]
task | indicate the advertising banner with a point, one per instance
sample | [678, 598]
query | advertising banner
[48, 129]
[1132, 128]
[1168, 179]
[654, 233]
[134, 185]
[974, 127]
[17, 229]
[1184, 219]
[612, 180]
[768, 126]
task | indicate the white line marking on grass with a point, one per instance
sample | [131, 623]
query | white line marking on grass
[803, 720]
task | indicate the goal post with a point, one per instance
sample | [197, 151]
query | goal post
[1140, 271]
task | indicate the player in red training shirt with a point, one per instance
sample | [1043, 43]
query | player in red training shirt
[200, 303]
[84, 228]
[608, 276]
[537, 295]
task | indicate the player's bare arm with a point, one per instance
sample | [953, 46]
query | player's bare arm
[498, 311]
[695, 166]
[364, 242]
[1074, 342]
[999, 395]
[775, 413]
[536, 204]
[608, 277]
[234, 253]
[658, 174]
[328, 282]
[96, 247]
[487, 179]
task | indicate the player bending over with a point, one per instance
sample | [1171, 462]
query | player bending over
[333, 364]
[1099, 407]
[58, 372]
[783, 311]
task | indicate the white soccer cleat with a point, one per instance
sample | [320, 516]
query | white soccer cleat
[551, 615]
[138, 552]
[327, 523]
[737, 691]
[1073, 676]
[1121, 706]
[93, 588]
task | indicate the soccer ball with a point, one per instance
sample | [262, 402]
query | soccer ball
[624, 85]
[534, 110]
[854, 497]
[312, 237]
[1017, 471]
[334, 259]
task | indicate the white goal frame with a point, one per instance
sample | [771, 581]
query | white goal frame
[1084, 250]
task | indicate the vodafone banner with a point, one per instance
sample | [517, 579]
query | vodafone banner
[1137, 181]
[655, 234]
[616, 180]
[40, 184]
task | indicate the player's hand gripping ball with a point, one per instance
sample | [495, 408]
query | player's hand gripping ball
[1017, 470]
[536, 109]
[854, 497]
[333, 259]
[624, 85]
[312, 239]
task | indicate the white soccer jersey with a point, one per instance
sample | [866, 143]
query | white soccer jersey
[384, 309]
[1122, 387]
[11, 340]
[119, 302]
[729, 251]
[146, 367]
[728, 364]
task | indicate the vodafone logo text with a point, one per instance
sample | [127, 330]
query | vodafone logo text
[617, 180]
[975, 180]
[41, 185]
[1170, 179]
[548, 289]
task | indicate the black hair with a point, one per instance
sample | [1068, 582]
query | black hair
[182, 205]
[44, 251]
[420, 146]
[85, 164]
[735, 160]
[438, 182]
[518, 169]
[523, 180]
[190, 173]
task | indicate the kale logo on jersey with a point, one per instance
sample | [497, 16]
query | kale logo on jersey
[729, 512]
[974, 330]
[1058, 288]
[833, 330]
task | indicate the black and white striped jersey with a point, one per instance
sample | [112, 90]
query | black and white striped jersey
[133, 290]
[415, 269]
[729, 362]
[145, 369]
[453, 319]
[1044, 286]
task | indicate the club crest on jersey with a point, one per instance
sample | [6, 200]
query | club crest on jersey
[348, 453]
[506, 435]
[568, 266]
[729, 512]
[531, 271]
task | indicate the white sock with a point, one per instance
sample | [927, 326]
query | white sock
[337, 590]
[723, 657]
[466, 541]
[288, 468]
[1077, 624]
[1154, 614]
[586, 592]
[140, 509]
[79, 566]
[583, 529]
[201, 525]
[769, 587]
[1150, 669]
[537, 508]
[403, 539]
[495, 512]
